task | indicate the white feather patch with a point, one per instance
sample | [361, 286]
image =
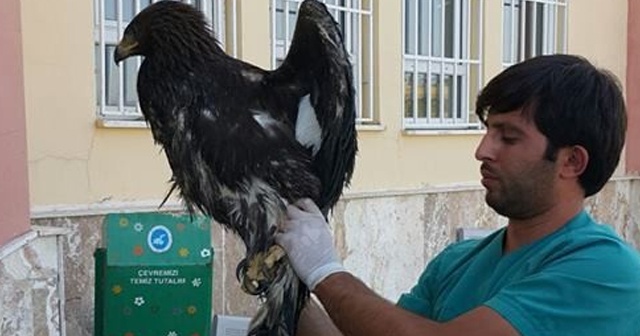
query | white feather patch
[308, 131]
[265, 121]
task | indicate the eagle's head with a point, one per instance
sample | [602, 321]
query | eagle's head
[166, 27]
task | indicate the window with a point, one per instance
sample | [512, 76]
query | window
[355, 20]
[442, 69]
[532, 28]
[116, 86]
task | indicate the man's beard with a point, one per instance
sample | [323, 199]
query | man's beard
[526, 196]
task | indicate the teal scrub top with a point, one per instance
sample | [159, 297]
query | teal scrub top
[582, 279]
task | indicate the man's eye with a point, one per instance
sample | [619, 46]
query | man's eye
[509, 140]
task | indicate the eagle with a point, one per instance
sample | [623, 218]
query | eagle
[243, 142]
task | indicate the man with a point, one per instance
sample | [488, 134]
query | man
[555, 128]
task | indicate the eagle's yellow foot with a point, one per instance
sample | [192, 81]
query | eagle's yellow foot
[257, 272]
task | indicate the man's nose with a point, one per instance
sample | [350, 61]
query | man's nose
[484, 150]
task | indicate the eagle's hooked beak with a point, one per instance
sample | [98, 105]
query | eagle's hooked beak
[128, 46]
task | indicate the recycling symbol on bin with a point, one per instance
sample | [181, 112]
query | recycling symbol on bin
[159, 239]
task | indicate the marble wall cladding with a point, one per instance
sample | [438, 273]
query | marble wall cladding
[78, 246]
[30, 295]
[411, 229]
[618, 205]
[385, 239]
[389, 240]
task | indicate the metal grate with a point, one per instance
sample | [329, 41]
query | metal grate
[532, 28]
[442, 63]
[116, 86]
[356, 21]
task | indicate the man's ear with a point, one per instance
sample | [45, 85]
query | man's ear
[574, 161]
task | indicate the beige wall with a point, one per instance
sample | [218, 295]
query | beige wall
[598, 30]
[633, 89]
[73, 162]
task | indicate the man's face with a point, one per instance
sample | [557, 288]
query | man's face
[518, 180]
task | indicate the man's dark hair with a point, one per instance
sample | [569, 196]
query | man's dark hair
[571, 102]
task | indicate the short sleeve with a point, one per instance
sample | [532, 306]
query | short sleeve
[419, 299]
[601, 287]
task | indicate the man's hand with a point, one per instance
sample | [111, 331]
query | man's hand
[306, 238]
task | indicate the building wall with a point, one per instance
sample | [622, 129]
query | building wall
[32, 291]
[386, 239]
[73, 163]
[411, 190]
[14, 199]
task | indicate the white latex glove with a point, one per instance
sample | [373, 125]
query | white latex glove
[306, 238]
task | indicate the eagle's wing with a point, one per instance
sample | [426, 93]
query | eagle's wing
[318, 62]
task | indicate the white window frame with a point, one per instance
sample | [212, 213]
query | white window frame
[524, 37]
[426, 58]
[356, 21]
[107, 33]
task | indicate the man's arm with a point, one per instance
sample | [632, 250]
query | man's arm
[357, 310]
[314, 321]
[354, 308]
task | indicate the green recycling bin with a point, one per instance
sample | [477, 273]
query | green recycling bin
[154, 276]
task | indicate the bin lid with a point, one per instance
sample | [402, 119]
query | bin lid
[154, 238]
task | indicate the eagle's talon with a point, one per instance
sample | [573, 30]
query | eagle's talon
[241, 270]
[258, 271]
[253, 287]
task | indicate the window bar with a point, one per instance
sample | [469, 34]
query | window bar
[523, 33]
[429, 18]
[234, 29]
[512, 34]
[349, 40]
[96, 13]
[119, 29]
[214, 12]
[137, 9]
[479, 78]
[357, 51]
[466, 22]
[553, 13]
[550, 38]
[442, 58]
[516, 19]
[566, 26]
[456, 50]
[468, 54]
[204, 9]
[342, 13]
[274, 28]
[414, 91]
[102, 50]
[370, 67]
[219, 17]
[348, 28]
[287, 38]
[534, 30]
[405, 67]
[467, 57]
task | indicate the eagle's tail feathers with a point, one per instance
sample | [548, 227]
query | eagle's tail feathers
[166, 197]
[283, 302]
